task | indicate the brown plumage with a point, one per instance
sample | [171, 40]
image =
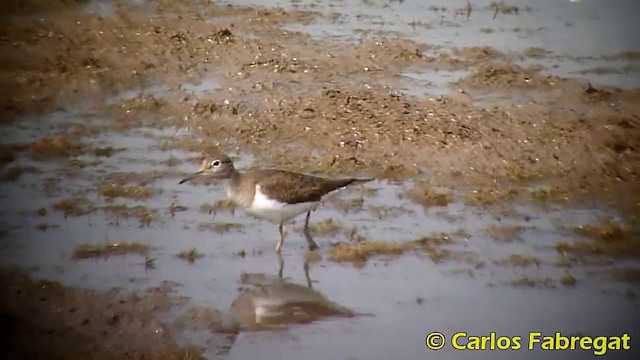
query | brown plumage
[294, 188]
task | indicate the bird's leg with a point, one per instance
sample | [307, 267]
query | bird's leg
[279, 246]
[306, 274]
[280, 265]
[307, 234]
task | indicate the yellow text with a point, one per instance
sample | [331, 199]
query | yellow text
[463, 341]
[599, 344]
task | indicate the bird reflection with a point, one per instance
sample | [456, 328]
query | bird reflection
[265, 302]
[272, 302]
[306, 268]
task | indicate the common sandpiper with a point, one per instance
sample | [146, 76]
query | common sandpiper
[272, 194]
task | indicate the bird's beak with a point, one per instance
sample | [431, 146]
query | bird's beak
[191, 177]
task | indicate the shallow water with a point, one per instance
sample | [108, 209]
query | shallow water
[408, 296]
[580, 36]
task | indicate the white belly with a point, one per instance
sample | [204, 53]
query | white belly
[275, 211]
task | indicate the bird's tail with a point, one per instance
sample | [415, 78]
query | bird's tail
[341, 183]
[361, 180]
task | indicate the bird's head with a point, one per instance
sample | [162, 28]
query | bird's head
[217, 167]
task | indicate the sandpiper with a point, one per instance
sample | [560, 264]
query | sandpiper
[272, 194]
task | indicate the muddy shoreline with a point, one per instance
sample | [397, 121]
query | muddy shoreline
[504, 135]
[45, 319]
[275, 95]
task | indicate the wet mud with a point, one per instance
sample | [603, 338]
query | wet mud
[505, 149]
[44, 319]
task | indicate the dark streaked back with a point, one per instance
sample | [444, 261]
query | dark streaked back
[292, 187]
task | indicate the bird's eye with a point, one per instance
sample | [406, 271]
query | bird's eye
[215, 163]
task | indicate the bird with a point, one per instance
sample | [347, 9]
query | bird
[275, 195]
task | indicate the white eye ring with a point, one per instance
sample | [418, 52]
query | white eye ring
[215, 163]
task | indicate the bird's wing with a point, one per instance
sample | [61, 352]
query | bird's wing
[296, 188]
